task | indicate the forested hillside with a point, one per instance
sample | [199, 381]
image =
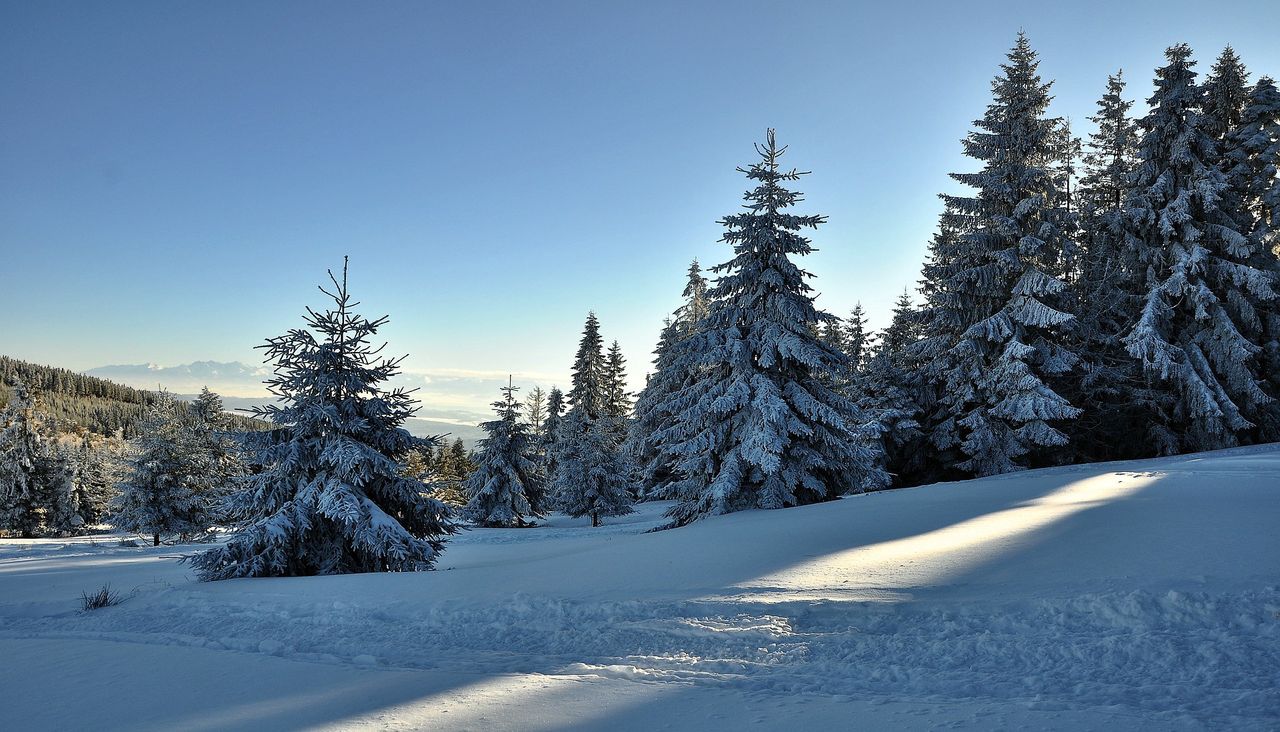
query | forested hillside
[93, 404]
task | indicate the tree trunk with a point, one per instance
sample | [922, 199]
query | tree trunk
[157, 539]
[595, 518]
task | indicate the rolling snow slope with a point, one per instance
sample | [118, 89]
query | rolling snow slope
[1142, 595]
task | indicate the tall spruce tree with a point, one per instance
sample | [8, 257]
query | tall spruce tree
[593, 477]
[1006, 306]
[1224, 95]
[696, 300]
[1123, 419]
[654, 469]
[617, 400]
[330, 497]
[757, 427]
[856, 338]
[886, 393]
[1197, 329]
[588, 385]
[589, 466]
[1253, 161]
[507, 484]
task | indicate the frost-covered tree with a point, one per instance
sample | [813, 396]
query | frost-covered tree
[592, 474]
[588, 384]
[587, 459]
[655, 469]
[168, 489]
[617, 400]
[1225, 93]
[507, 484]
[536, 402]
[555, 412]
[1123, 419]
[1252, 153]
[36, 477]
[855, 342]
[212, 434]
[696, 301]
[330, 497]
[757, 427]
[97, 465]
[1252, 163]
[1005, 308]
[885, 392]
[1197, 329]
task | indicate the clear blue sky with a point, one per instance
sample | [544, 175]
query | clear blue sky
[176, 176]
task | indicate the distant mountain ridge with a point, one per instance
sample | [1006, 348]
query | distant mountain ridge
[225, 377]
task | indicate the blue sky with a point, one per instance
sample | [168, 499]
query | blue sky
[175, 176]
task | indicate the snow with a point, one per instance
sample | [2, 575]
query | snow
[1137, 595]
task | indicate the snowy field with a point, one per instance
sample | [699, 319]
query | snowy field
[1142, 595]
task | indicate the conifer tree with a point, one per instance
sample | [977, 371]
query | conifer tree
[1197, 328]
[885, 392]
[35, 474]
[654, 467]
[551, 427]
[167, 490]
[757, 428]
[506, 486]
[588, 390]
[696, 301]
[1253, 166]
[1006, 306]
[1123, 419]
[855, 343]
[617, 400]
[589, 465]
[592, 474]
[330, 498]
[537, 404]
[1225, 93]
[1252, 163]
[97, 474]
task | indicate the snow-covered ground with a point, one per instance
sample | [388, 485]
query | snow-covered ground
[1142, 595]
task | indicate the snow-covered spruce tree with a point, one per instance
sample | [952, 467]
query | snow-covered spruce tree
[696, 301]
[1224, 95]
[167, 489]
[36, 477]
[1123, 419]
[617, 400]
[1252, 163]
[537, 405]
[330, 498]
[588, 387]
[1008, 304]
[1197, 330]
[941, 319]
[856, 344]
[590, 467]
[885, 393]
[507, 484]
[653, 467]
[593, 477]
[212, 434]
[551, 428]
[97, 474]
[757, 427]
